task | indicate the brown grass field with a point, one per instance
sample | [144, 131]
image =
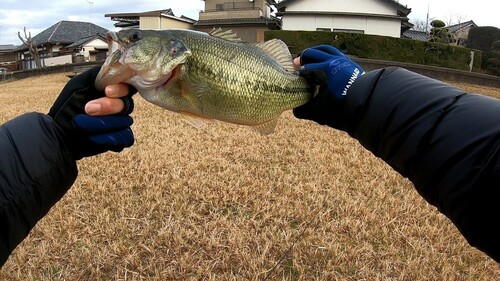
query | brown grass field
[224, 203]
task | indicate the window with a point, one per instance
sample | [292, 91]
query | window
[349, 31]
[323, 29]
[219, 7]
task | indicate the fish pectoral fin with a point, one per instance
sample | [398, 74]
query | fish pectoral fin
[266, 128]
[279, 51]
[195, 120]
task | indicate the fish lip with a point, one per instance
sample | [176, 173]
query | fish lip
[111, 37]
[172, 75]
[112, 72]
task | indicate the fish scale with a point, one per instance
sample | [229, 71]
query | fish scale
[253, 88]
[211, 75]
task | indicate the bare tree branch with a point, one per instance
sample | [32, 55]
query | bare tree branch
[32, 48]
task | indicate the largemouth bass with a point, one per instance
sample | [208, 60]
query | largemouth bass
[206, 76]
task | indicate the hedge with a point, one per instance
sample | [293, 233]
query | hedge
[382, 48]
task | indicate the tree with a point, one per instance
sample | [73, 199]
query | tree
[439, 33]
[32, 47]
[482, 38]
[454, 18]
[419, 25]
[493, 63]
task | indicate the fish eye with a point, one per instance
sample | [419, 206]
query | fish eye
[135, 36]
[173, 49]
[176, 46]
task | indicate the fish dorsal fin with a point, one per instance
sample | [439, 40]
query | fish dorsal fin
[279, 51]
[226, 35]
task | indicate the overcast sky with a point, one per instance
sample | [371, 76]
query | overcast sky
[38, 15]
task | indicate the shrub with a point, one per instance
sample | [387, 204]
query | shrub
[382, 48]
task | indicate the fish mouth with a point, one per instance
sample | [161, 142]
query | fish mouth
[119, 73]
[165, 80]
[113, 71]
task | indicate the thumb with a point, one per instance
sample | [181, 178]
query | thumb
[314, 73]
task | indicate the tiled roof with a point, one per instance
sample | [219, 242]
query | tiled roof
[456, 27]
[400, 7]
[261, 20]
[416, 35]
[66, 32]
[7, 48]
[85, 40]
[132, 19]
[156, 13]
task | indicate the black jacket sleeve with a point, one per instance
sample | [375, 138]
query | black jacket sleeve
[36, 170]
[445, 141]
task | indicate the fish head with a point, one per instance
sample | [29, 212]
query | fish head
[143, 58]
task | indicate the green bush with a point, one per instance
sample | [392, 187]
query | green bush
[382, 48]
[493, 63]
[482, 38]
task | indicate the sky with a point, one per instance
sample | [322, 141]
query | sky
[38, 15]
[482, 12]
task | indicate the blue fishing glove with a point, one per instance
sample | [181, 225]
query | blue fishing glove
[334, 73]
[91, 135]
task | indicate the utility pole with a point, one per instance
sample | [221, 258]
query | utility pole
[90, 4]
[427, 19]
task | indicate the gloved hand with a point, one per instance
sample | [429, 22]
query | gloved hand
[91, 135]
[334, 73]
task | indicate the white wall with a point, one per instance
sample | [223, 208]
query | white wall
[92, 46]
[386, 27]
[57, 60]
[368, 24]
[349, 6]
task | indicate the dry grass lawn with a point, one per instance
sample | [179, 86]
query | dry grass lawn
[224, 203]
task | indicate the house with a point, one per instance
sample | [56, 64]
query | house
[52, 44]
[377, 17]
[158, 19]
[8, 57]
[460, 32]
[90, 48]
[249, 19]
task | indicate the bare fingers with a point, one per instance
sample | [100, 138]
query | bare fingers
[116, 91]
[111, 104]
[104, 106]
[296, 62]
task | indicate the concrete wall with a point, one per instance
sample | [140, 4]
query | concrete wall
[443, 74]
[69, 68]
[57, 60]
[439, 73]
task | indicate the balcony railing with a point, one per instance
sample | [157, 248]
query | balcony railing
[232, 6]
